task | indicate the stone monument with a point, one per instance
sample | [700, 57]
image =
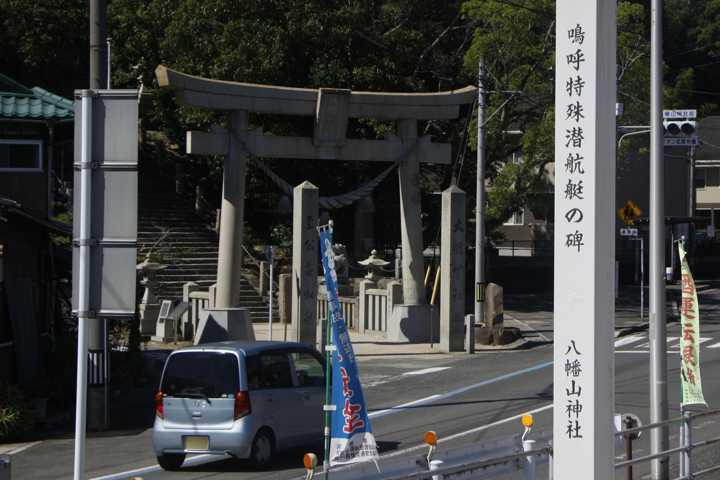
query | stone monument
[452, 270]
[305, 263]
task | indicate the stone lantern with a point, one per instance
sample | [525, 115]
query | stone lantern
[374, 265]
[149, 306]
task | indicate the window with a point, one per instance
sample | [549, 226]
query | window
[308, 370]
[20, 156]
[201, 374]
[700, 178]
[711, 177]
[268, 370]
[518, 218]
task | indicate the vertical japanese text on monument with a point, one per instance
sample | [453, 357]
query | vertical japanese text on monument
[573, 392]
[573, 119]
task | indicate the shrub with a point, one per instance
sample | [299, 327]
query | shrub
[16, 416]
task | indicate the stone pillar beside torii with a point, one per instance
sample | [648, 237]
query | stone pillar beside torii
[331, 108]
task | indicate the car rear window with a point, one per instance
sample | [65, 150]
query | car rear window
[201, 374]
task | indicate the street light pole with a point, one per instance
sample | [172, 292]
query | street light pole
[658, 328]
[480, 203]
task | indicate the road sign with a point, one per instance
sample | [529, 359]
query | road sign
[629, 213]
[629, 232]
[113, 229]
[681, 141]
[679, 113]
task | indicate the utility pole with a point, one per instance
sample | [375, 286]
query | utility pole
[691, 181]
[480, 203]
[658, 327]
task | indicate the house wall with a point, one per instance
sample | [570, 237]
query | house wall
[26, 273]
[30, 189]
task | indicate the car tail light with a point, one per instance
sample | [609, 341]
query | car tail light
[159, 408]
[242, 404]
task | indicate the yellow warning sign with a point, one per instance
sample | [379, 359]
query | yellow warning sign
[629, 213]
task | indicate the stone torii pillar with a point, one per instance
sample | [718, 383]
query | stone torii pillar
[232, 213]
[331, 109]
[413, 263]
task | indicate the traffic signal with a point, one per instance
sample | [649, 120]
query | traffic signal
[680, 128]
[676, 127]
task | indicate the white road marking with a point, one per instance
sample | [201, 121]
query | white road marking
[426, 370]
[17, 448]
[458, 391]
[192, 461]
[714, 345]
[667, 340]
[628, 340]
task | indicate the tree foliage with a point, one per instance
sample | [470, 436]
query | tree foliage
[390, 45]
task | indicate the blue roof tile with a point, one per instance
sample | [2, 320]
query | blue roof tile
[18, 101]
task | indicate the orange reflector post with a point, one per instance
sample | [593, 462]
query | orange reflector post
[310, 460]
[527, 421]
[430, 438]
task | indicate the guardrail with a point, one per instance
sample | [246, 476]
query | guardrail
[685, 449]
[490, 461]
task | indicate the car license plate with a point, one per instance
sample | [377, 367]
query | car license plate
[197, 443]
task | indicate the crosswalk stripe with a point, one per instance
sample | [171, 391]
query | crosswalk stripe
[668, 340]
[628, 340]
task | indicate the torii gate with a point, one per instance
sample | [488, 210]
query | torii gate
[331, 109]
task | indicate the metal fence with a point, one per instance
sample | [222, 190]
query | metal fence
[684, 450]
[516, 455]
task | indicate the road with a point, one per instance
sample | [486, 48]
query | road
[469, 397]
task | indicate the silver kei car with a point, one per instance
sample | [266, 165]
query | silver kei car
[245, 399]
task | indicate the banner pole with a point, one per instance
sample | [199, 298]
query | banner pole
[328, 391]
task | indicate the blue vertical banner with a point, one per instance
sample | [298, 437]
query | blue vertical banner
[351, 436]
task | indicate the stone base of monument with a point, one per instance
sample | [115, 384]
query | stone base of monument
[495, 336]
[164, 331]
[148, 317]
[414, 324]
[223, 324]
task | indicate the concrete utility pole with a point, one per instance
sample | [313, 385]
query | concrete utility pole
[658, 327]
[480, 202]
[98, 45]
[95, 330]
[692, 201]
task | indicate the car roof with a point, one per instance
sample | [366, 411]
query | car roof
[245, 347]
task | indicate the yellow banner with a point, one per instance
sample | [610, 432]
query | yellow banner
[690, 340]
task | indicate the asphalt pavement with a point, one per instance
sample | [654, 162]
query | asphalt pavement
[467, 398]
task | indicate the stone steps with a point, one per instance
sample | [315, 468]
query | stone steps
[189, 247]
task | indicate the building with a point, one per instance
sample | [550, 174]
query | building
[707, 177]
[36, 129]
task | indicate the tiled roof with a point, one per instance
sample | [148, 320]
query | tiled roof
[18, 101]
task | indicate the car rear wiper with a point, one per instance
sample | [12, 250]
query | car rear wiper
[193, 395]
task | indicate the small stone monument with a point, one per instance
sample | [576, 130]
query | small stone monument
[374, 265]
[149, 306]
